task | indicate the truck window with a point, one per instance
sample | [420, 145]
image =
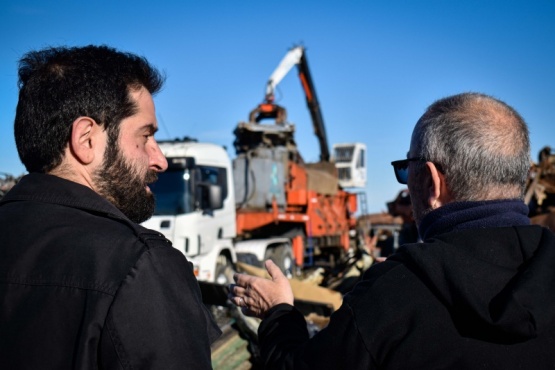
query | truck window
[173, 192]
[214, 175]
[211, 175]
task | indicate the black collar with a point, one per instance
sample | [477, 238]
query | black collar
[473, 215]
[56, 190]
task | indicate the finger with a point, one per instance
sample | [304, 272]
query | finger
[246, 302]
[238, 301]
[274, 270]
[233, 298]
[238, 290]
[242, 279]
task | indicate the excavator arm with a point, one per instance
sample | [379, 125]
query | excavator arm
[296, 56]
[314, 108]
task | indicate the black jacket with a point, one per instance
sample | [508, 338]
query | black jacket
[82, 287]
[468, 299]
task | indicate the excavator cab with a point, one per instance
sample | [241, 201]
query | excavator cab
[350, 161]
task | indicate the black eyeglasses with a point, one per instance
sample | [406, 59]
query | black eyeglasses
[401, 169]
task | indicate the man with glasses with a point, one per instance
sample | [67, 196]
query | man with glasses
[478, 292]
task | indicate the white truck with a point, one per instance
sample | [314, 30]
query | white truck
[195, 206]
[195, 210]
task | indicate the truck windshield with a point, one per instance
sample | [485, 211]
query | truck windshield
[173, 192]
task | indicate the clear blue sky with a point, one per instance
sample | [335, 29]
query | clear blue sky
[376, 64]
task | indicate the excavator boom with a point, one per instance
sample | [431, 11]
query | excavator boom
[296, 56]
[314, 108]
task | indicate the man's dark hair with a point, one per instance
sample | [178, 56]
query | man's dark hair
[481, 144]
[57, 85]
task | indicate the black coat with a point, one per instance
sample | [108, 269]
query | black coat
[82, 287]
[470, 299]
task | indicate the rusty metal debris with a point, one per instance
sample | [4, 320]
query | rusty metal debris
[540, 190]
[7, 182]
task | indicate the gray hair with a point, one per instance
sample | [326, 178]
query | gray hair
[481, 145]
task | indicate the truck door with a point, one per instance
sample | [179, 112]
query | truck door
[209, 224]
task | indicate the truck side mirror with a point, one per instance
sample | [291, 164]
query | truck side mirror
[210, 196]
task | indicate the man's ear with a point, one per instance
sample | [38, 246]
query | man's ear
[83, 139]
[438, 194]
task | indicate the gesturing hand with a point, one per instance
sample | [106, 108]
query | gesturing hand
[256, 295]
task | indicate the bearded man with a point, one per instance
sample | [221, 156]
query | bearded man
[82, 285]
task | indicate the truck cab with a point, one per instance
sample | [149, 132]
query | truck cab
[195, 206]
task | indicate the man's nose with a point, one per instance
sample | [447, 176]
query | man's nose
[157, 159]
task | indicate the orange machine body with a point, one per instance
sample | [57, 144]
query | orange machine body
[325, 219]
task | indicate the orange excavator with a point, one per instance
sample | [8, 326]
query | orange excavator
[277, 193]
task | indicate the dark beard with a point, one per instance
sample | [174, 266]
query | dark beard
[119, 183]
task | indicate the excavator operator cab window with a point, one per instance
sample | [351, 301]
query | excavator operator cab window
[360, 159]
[344, 154]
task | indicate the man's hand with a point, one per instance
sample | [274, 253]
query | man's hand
[257, 295]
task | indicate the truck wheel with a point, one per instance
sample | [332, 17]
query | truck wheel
[224, 271]
[283, 257]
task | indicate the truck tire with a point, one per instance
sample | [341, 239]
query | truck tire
[282, 256]
[224, 271]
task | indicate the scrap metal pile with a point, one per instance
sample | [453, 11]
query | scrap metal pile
[7, 181]
[540, 190]
[385, 232]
